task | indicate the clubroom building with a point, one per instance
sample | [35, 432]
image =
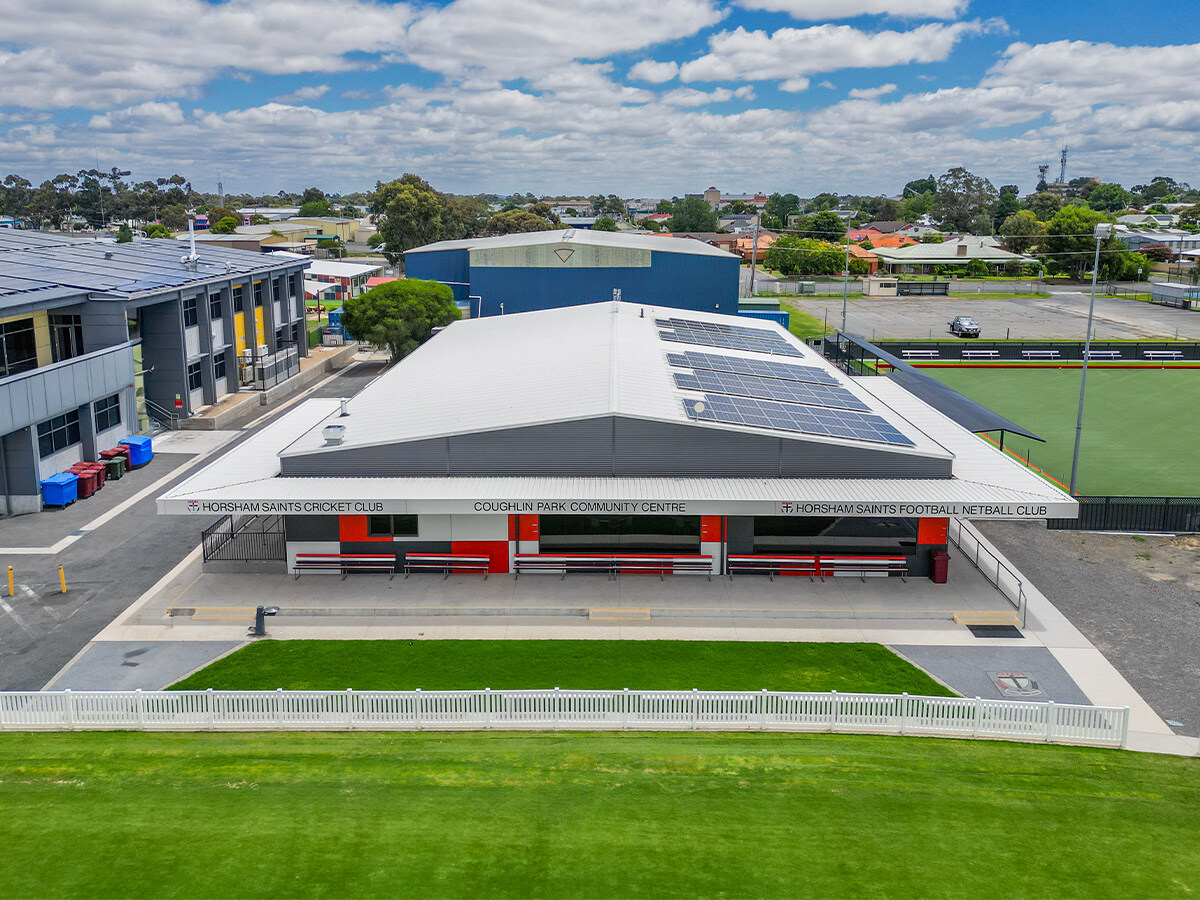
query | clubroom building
[618, 431]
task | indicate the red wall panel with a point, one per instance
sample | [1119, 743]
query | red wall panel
[710, 528]
[496, 550]
[933, 531]
[354, 528]
[527, 528]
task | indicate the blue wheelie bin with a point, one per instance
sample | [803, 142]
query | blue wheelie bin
[60, 489]
[140, 451]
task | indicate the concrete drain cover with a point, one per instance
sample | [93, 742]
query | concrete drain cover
[1016, 684]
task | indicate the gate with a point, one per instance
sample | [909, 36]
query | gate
[244, 539]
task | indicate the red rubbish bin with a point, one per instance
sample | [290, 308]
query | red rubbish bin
[940, 565]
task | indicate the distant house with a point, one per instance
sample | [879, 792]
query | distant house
[924, 258]
[872, 258]
[716, 239]
[1154, 219]
[715, 199]
[737, 222]
[744, 246]
[348, 279]
[333, 226]
[9, 222]
[586, 222]
[1174, 239]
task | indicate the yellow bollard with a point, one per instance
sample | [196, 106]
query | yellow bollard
[62, 579]
[11, 592]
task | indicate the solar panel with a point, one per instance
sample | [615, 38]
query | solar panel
[764, 367]
[730, 342]
[769, 389]
[794, 417]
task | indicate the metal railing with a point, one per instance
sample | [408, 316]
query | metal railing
[244, 539]
[541, 710]
[970, 542]
[1131, 351]
[166, 418]
[1173, 515]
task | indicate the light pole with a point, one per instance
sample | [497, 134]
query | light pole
[846, 281]
[1102, 231]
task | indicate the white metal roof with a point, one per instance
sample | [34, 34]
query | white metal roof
[559, 365]
[986, 484]
[342, 269]
[626, 240]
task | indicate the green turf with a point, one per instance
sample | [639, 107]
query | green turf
[589, 815]
[1140, 431]
[599, 665]
[803, 325]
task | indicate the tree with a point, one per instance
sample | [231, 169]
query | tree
[1006, 205]
[665, 206]
[977, 268]
[826, 226]
[124, 234]
[315, 208]
[400, 315]
[920, 186]
[1070, 243]
[174, 217]
[312, 195]
[650, 225]
[1044, 205]
[692, 214]
[410, 214]
[605, 223]
[1108, 198]
[226, 225]
[794, 255]
[349, 212]
[157, 231]
[912, 208]
[259, 219]
[217, 213]
[822, 202]
[963, 198]
[1019, 231]
[780, 206]
[516, 221]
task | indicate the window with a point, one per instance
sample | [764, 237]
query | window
[66, 336]
[239, 297]
[193, 377]
[219, 365]
[18, 347]
[58, 433]
[108, 413]
[214, 306]
[190, 316]
[258, 293]
[392, 526]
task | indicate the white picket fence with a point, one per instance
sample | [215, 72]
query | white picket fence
[539, 710]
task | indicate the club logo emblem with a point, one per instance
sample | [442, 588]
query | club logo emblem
[193, 505]
[564, 253]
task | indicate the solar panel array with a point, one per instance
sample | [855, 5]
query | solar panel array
[766, 393]
[764, 367]
[794, 417]
[731, 337]
[731, 383]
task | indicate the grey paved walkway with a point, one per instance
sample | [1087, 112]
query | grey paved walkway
[970, 671]
[129, 665]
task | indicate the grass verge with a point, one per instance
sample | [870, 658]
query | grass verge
[600, 665]
[589, 815]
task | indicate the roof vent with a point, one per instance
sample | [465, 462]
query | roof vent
[108, 254]
[333, 434]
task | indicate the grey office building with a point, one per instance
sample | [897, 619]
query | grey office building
[97, 339]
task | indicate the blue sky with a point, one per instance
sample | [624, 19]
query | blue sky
[635, 97]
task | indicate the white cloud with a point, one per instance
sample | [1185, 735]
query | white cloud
[654, 72]
[103, 53]
[303, 94]
[828, 85]
[692, 97]
[816, 10]
[793, 53]
[872, 93]
[514, 38]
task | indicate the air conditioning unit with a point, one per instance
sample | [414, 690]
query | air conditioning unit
[262, 349]
[247, 354]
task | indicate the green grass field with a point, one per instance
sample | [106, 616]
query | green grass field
[1140, 428]
[589, 815]
[599, 665]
